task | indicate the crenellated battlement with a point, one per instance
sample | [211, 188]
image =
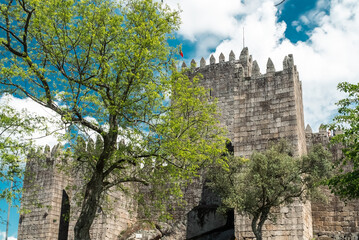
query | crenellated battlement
[268, 105]
[244, 64]
[323, 130]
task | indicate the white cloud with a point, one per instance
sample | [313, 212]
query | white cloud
[2, 236]
[328, 57]
[219, 18]
[53, 120]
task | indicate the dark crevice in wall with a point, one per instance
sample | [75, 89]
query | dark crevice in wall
[64, 217]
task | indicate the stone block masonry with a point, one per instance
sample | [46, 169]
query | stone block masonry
[51, 209]
[257, 109]
[42, 196]
[333, 219]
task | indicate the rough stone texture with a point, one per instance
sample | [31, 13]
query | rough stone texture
[45, 184]
[232, 56]
[257, 109]
[290, 224]
[203, 62]
[222, 58]
[270, 66]
[335, 219]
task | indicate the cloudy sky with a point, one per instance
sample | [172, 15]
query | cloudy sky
[323, 36]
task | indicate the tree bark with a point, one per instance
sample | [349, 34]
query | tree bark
[95, 186]
[257, 227]
[256, 231]
[90, 203]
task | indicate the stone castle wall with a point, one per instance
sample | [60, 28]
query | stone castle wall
[43, 186]
[334, 219]
[43, 200]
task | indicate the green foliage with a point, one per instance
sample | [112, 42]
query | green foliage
[270, 179]
[346, 182]
[15, 128]
[106, 68]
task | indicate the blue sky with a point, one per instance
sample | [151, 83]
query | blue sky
[323, 36]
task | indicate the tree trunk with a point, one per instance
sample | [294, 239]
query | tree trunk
[95, 186]
[90, 203]
[257, 232]
[257, 227]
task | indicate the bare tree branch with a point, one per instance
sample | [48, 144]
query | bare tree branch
[276, 5]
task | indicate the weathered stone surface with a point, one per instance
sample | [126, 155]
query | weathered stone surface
[308, 129]
[222, 58]
[203, 62]
[232, 56]
[45, 184]
[270, 66]
[257, 109]
[285, 63]
[255, 69]
[212, 60]
[333, 219]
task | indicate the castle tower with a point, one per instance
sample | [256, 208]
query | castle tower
[50, 207]
[45, 200]
[258, 108]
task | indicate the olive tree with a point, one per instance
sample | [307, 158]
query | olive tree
[268, 180]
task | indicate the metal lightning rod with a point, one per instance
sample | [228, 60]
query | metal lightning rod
[243, 38]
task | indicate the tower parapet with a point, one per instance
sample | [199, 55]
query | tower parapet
[256, 108]
[250, 68]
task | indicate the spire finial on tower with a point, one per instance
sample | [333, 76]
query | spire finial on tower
[243, 38]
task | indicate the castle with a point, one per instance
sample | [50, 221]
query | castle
[256, 108]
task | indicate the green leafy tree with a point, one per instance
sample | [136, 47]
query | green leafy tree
[106, 68]
[270, 179]
[345, 183]
[15, 142]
